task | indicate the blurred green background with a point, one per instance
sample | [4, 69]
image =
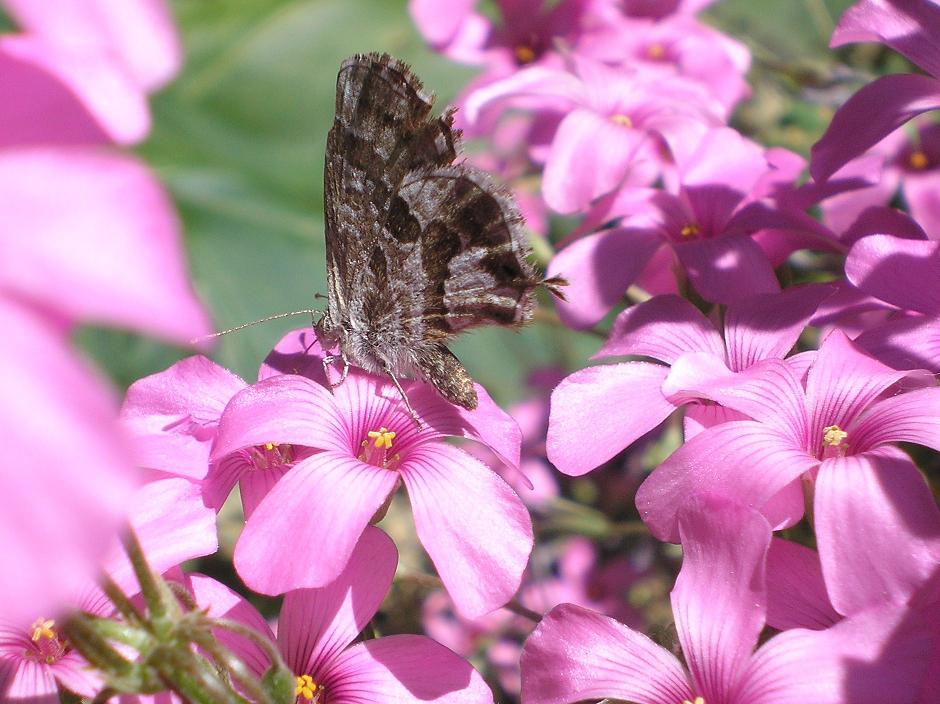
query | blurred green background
[238, 139]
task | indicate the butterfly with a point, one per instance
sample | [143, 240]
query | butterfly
[418, 248]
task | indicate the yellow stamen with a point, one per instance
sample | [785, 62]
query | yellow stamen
[383, 437]
[834, 435]
[306, 687]
[524, 54]
[622, 120]
[698, 700]
[690, 230]
[656, 52]
[270, 445]
[918, 160]
[42, 628]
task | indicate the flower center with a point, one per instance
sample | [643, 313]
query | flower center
[622, 120]
[656, 51]
[48, 647]
[524, 54]
[918, 160]
[834, 444]
[698, 700]
[307, 689]
[375, 449]
[271, 455]
[690, 230]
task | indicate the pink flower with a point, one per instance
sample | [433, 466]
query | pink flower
[719, 606]
[475, 528]
[911, 27]
[870, 503]
[665, 328]
[80, 71]
[317, 636]
[615, 124]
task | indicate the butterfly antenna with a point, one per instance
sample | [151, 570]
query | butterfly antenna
[305, 311]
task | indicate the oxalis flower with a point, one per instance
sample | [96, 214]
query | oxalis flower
[719, 603]
[473, 525]
[871, 505]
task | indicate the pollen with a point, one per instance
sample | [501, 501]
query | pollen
[656, 51]
[690, 230]
[698, 700]
[622, 120]
[918, 160]
[270, 446]
[524, 54]
[307, 688]
[42, 628]
[834, 435]
[383, 437]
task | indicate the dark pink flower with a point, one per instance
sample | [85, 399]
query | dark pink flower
[474, 526]
[719, 606]
[665, 328]
[870, 503]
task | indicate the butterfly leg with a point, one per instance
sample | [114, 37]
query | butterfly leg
[328, 361]
[404, 397]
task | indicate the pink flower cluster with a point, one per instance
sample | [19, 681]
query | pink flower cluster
[794, 398]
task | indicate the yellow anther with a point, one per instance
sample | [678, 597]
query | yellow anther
[698, 700]
[383, 437]
[524, 54]
[656, 52]
[834, 435]
[271, 445]
[690, 230]
[42, 628]
[918, 160]
[306, 687]
[622, 120]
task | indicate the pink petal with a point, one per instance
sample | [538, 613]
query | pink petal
[108, 243]
[769, 391]
[57, 518]
[664, 328]
[282, 409]
[910, 417]
[905, 343]
[907, 26]
[842, 382]
[871, 114]
[253, 486]
[315, 625]
[702, 416]
[599, 269]
[171, 416]
[877, 527]
[768, 326]
[877, 657]
[473, 525]
[48, 86]
[29, 682]
[298, 352]
[587, 426]
[745, 460]
[548, 86]
[172, 524]
[884, 266]
[796, 590]
[719, 600]
[328, 499]
[74, 673]
[138, 35]
[576, 654]
[920, 192]
[405, 668]
[725, 268]
[439, 23]
[590, 157]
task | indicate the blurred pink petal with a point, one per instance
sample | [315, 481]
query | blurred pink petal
[725, 268]
[796, 590]
[599, 269]
[139, 36]
[57, 519]
[905, 343]
[479, 555]
[884, 266]
[108, 242]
